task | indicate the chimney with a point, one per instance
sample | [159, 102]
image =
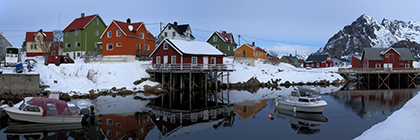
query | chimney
[253, 43]
[224, 32]
[128, 20]
[176, 23]
[83, 15]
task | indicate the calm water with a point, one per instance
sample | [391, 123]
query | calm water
[233, 115]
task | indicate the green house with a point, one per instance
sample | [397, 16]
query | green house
[82, 37]
[224, 42]
[293, 60]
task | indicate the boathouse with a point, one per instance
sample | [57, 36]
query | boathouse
[386, 58]
[318, 61]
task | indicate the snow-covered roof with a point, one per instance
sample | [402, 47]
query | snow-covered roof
[191, 47]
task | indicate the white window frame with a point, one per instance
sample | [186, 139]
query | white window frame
[118, 33]
[213, 60]
[407, 65]
[228, 48]
[77, 32]
[68, 45]
[214, 38]
[96, 32]
[386, 55]
[119, 44]
[141, 35]
[146, 47]
[166, 34]
[108, 45]
[216, 46]
[96, 21]
[109, 34]
[157, 59]
[192, 60]
[77, 44]
[317, 64]
[165, 46]
[67, 34]
[173, 59]
[378, 65]
[173, 34]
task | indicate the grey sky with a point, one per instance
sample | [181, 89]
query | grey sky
[302, 25]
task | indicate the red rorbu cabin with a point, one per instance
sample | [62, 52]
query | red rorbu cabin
[387, 58]
[184, 55]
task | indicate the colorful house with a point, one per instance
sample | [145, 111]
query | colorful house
[224, 42]
[292, 60]
[3, 45]
[339, 62]
[247, 53]
[175, 31]
[38, 43]
[318, 61]
[82, 37]
[56, 48]
[387, 58]
[127, 40]
[181, 54]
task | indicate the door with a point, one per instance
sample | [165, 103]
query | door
[165, 59]
[243, 53]
[205, 62]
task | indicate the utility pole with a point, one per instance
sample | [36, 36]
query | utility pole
[160, 27]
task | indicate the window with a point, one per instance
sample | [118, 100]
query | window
[118, 124]
[53, 52]
[407, 65]
[213, 60]
[228, 48]
[38, 37]
[165, 46]
[378, 65]
[118, 33]
[109, 122]
[142, 35]
[146, 47]
[118, 135]
[109, 46]
[312, 65]
[119, 44]
[214, 38]
[109, 133]
[78, 54]
[96, 32]
[96, 21]
[157, 59]
[51, 109]
[194, 60]
[173, 34]
[77, 43]
[77, 32]
[173, 59]
[68, 45]
[238, 51]
[169, 27]
[166, 34]
[216, 46]
[386, 55]
[317, 64]
[67, 33]
[33, 47]
[109, 34]
[32, 109]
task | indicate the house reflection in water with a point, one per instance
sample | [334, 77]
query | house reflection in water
[367, 103]
[175, 115]
[249, 108]
[126, 126]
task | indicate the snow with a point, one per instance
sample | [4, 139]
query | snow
[195, 47]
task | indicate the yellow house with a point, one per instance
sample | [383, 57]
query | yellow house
[38, 43]
[250, 51]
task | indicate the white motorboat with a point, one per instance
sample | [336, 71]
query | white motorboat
[43, 110]
[301, 100]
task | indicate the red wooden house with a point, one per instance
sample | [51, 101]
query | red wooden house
[387, 58]
[181, 55]
[126, 39]
[318, 61]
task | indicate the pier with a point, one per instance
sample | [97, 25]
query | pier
[190, 76]
[382, 77]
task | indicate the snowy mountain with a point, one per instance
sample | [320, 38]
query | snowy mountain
[302, 55]
[367, 32]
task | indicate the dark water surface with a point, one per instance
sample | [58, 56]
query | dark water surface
[244, 116]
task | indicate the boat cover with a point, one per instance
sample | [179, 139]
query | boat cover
[59, 104]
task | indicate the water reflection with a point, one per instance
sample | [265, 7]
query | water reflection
[183, 113]
[124, 126]
[249, 108]
[366, 103]
[42, 131]
[303, 123]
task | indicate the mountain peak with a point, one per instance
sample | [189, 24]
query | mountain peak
[365, 18]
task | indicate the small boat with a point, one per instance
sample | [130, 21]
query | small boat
[301, 100]
[43, 110]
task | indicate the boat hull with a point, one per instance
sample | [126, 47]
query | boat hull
[38, 118]
[314, 108]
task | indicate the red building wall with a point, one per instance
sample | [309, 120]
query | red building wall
[356, 63]
[321, 65]
[393, 58]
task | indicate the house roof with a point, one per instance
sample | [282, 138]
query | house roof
[226, 37]
[375, 54]
[180, 28]
[316, 58]
[58, 44]
[48, 36]
[124, 27]
[291, 58]
[191, 47]
[80, 23]
[1, 36]
[253, 48]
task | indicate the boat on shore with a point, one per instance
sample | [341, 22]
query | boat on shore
[43, 110]
[302, 100]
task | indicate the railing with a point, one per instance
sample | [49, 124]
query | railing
[179, 67]
[377, 70]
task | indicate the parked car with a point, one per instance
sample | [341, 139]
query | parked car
[57, 59]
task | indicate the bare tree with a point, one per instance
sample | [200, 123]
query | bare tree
[58, 35]
[273, 53]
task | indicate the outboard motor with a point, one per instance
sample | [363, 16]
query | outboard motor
[84, 112]
[92, 111]
[10, 103]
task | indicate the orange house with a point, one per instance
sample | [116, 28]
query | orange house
[127, 40]
[250, 51]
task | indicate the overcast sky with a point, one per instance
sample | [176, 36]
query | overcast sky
[281, 25]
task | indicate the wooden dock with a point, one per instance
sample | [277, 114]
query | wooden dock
[196, 75]
[382, 77]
